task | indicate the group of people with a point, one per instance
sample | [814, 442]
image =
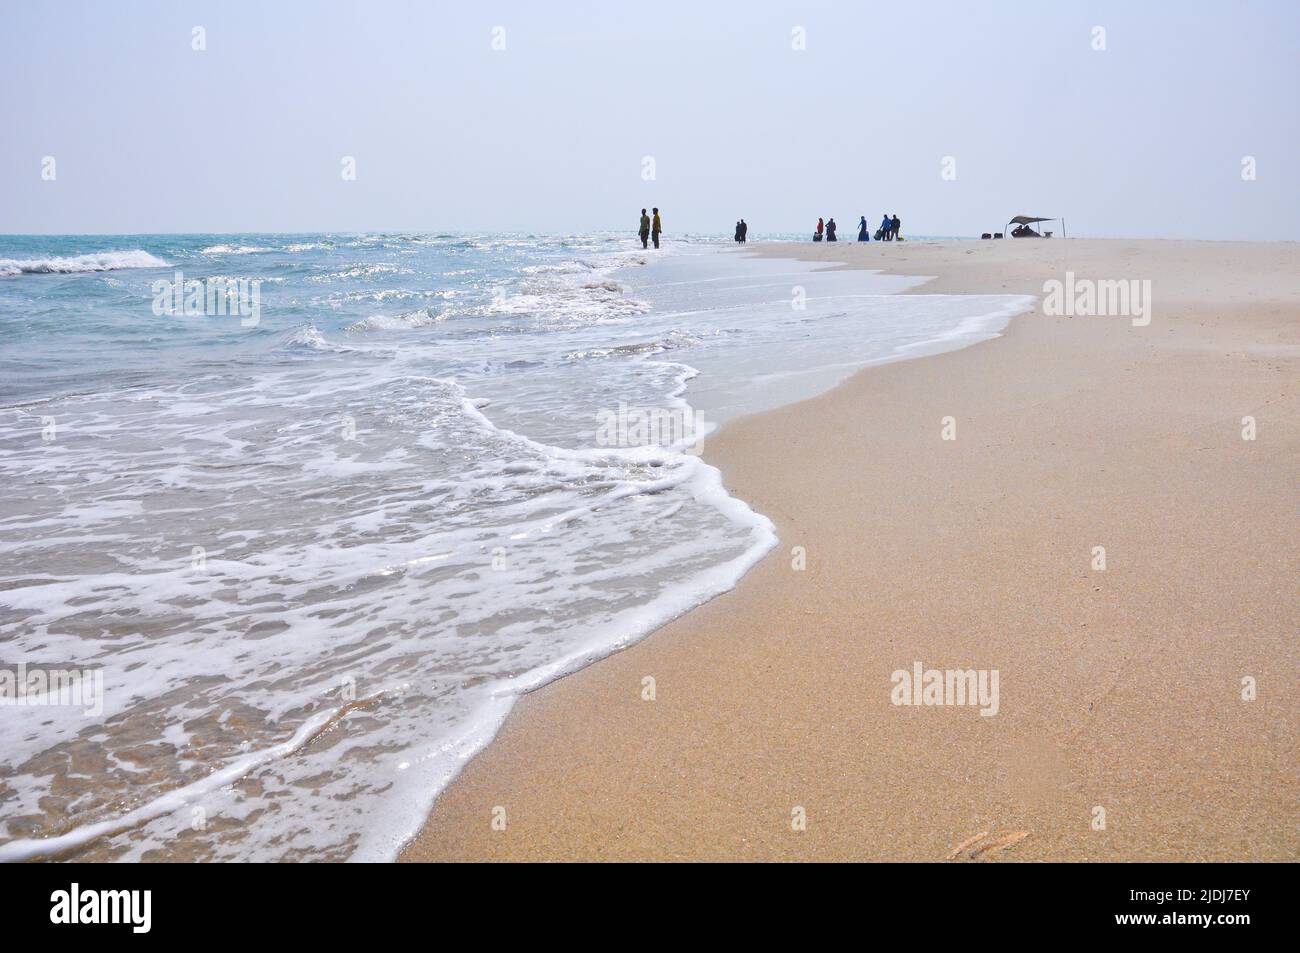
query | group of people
[887, 232]
[650, 228]
[827, 229]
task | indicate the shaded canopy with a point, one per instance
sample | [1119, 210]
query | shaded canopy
[1028, 220]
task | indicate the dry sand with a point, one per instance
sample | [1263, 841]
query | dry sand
[1119, 689]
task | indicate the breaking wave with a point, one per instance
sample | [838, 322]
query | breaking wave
[97, 261]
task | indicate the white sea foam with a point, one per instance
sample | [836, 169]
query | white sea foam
[236, 250]
[397, 322]
[421, 559]
[21, 850]
[310, 337]
[98, 261]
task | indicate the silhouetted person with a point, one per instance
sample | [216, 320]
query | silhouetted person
[737, 231]
[645, 229]
[744, 231]
[894, 226]
[886, 226]
[862, 230]
[656, 227]
[830, 231]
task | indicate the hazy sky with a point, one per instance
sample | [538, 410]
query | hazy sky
[1143, 138]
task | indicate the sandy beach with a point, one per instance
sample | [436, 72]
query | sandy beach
[1123, 729]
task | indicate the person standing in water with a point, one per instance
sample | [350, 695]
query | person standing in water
[645, 229]
[862, 230]
[655, 228]
[817, 235]
[830, 231]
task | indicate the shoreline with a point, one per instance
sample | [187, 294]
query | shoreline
[971, 553]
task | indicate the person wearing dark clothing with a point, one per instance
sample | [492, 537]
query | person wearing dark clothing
[744, 231]
[737, 231]
[862, 230]
[894, 226]
[830, 231]
[886, 227]
[656, 227]
[645, 229]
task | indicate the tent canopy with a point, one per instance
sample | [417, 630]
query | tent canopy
[1028, 220]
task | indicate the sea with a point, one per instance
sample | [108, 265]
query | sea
[297, 518]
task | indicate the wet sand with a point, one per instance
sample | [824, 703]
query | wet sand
[1120, 689]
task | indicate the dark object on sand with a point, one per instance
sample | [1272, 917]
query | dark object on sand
[1022, 229]
[987, 235]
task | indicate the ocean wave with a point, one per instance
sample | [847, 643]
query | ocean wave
[573, 266]
[234, 250]
[607, 285]
[309, 337]
[362, 271]
[96, 261]
[674, 340]
[397, 322]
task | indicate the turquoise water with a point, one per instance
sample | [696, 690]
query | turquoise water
[67, 329]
